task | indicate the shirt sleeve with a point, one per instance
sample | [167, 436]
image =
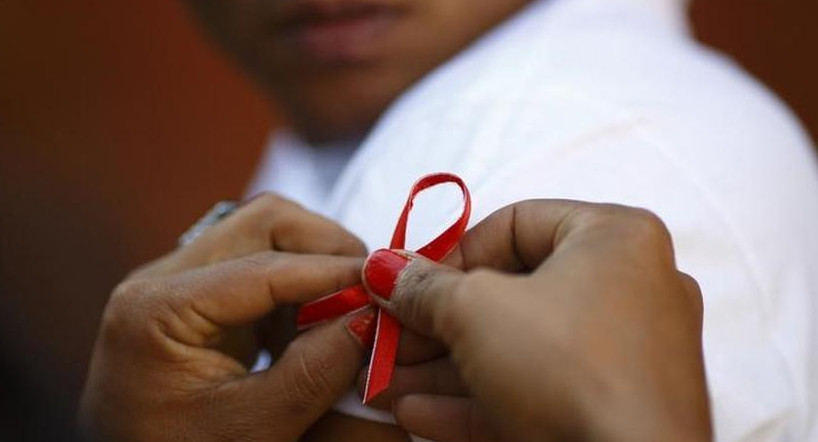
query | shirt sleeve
[756, 384]
[739, 199]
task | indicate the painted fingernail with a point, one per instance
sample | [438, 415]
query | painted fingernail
[381, 271]
[362, 328]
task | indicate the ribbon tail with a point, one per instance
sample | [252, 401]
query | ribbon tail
[332, 306]
[382, 364]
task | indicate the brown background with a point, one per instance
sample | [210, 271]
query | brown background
[118, 126]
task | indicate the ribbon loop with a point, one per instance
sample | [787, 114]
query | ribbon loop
[352, 299]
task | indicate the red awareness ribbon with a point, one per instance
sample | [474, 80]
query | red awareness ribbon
[353, 299]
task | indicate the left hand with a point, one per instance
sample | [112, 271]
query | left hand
[170, 362]
[266, 222]
[158, 372]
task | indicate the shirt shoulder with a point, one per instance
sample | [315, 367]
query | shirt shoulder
[567, 75]
[617, 104]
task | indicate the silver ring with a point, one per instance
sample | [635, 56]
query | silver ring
[220, 211]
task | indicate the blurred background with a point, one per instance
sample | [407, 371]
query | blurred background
[119, 126]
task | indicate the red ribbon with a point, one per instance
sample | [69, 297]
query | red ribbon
[352, 299]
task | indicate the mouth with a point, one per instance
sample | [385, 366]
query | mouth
[332, 31]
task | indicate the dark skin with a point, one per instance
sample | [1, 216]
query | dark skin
[177, 337]
[567, 321]
[343, 97]
[327, 98]
[610, 331]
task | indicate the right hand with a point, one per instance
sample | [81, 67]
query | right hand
[570, 322]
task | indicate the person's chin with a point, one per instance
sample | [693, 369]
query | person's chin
[331, 130]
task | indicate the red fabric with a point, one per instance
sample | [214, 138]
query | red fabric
[387, 332]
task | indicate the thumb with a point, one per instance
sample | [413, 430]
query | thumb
[315, 370]
[424, 296]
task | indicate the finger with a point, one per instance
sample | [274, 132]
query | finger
[415, 348]
[267, 222]
[289, 227]
[694, 293]
[335, 426]
[429, 298]
[515, 238]
[195, 306]
[444, 419]
[438, 377]
[315, 370]
[519, 237]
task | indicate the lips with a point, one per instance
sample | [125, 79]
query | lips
[336, 31]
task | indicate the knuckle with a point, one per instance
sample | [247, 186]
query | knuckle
[268, 200]
[307, 232]
[691, 284]
[143, 312]
[256, 261]
[651, 230]
[600, 216]
[125, 298]
[342, 243]
[127, 306]
[694, 293]
[643, 229]
[270, 204]
[125, 291]
[648, 233]
[289, 226]
[529, 207]
[272, 263]
[264, 209]
[647, 223]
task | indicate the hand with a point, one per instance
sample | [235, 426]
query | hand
[266, 222]
[570, 322]
[170, 358]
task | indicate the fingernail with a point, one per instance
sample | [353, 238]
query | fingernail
[362, 328]
[381, 272]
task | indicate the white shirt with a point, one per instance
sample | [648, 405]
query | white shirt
[613, 101]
